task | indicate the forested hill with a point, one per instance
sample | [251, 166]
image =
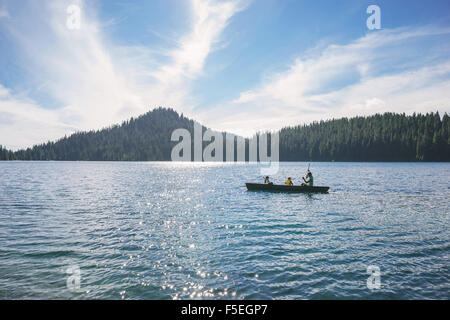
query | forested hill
[387, 137]
[145, 138]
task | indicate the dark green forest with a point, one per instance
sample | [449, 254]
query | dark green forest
[145, 138]
[386, 137]
[381, 137]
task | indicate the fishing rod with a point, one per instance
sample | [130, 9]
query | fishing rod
[306, 171]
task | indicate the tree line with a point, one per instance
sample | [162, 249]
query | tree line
[381, 137]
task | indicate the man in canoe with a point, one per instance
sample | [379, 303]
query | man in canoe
[266, 180]
[310, 181]
[289, 182]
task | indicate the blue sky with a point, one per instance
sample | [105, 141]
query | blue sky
[235, 65]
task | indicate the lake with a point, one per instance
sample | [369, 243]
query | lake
[164, 230]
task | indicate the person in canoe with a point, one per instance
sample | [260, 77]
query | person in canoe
[310, 181]
[266, 180]
[289, 182]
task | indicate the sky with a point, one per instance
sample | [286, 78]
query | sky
[240, 66]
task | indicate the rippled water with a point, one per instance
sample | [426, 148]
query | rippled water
[168, 231]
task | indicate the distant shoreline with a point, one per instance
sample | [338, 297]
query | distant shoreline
[387, 137]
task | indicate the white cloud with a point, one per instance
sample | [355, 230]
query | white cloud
[382, 71]
[95, 82]
[210, 19]
[23, 122]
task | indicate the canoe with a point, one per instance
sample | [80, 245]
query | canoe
[285, 188]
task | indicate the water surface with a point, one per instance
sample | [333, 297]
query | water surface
[155, 230]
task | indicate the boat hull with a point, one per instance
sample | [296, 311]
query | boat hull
[285, 188]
